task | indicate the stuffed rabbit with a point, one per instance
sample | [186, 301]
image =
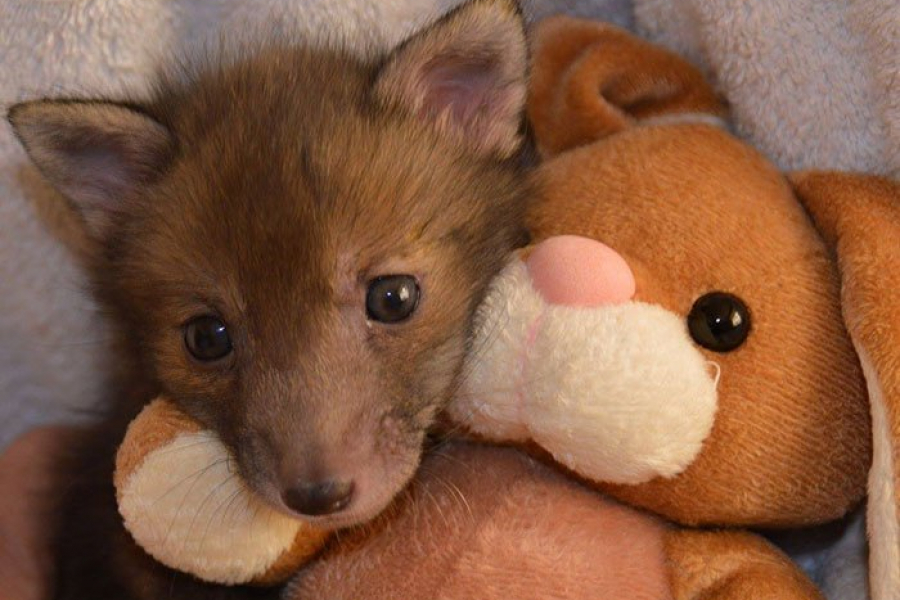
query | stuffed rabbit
[682, 333]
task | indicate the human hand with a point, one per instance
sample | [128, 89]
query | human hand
[26, 500]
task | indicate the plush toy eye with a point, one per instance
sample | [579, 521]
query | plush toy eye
[392, 298]
[719, 321]
[206, 338]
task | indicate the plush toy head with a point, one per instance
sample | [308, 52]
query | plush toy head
[183, 501]
[686, 351]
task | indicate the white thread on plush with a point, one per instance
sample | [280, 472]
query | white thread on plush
[228, 536]
[617, 393]
[883, 517]
[718, 369]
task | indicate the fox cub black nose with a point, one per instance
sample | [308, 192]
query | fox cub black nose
[319, 497]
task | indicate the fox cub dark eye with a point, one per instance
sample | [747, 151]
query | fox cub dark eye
[206, 338]
[392, 298]
[719, 322]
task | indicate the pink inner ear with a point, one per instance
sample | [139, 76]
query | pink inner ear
[465, 76]
[461, 90]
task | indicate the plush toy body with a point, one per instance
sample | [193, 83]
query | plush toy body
[675, 337]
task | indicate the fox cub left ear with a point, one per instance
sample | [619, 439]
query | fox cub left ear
[466, 74]
[97, 154]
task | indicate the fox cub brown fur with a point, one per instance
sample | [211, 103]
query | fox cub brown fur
[293, 242]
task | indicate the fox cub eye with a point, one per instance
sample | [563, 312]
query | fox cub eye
[392, 298]
[719, 322]
[206, 338]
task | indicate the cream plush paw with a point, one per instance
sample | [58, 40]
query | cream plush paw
[186, 505]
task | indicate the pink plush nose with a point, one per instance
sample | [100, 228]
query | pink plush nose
[577, 271]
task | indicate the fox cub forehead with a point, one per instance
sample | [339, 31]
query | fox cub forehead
[280, 163]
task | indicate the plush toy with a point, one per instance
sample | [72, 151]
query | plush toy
[674, 337]
[675, 334]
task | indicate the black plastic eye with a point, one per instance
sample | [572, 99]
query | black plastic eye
[719, 322]
[392, 298]
[206, 338]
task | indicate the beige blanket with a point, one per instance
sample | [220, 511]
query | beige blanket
[812, 83]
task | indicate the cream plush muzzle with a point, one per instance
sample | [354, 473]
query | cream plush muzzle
[626, 398]
[185, 504]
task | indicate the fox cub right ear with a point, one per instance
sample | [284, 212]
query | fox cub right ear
[590, 80]
[97, 154]
[465, 74]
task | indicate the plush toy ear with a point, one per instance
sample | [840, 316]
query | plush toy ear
[97, 154]
[465, 74]
[590, 80]
[859, 216]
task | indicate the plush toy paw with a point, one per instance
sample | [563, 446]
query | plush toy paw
[185, 504]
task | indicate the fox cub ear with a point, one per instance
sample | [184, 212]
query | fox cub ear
[591, 80]
[466, 74]
[97, 154]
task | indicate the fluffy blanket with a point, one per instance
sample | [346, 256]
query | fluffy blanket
[811, 83]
